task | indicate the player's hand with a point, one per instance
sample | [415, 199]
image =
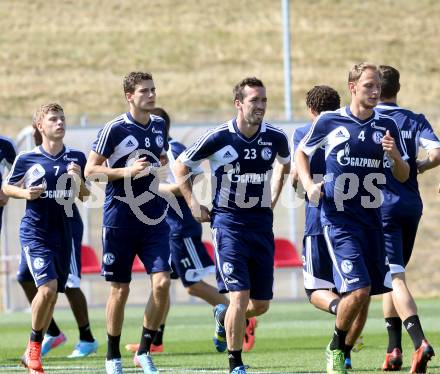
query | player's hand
[139, 168]
[3, 198]
[200, 213]
[34, 192]
[421, 166]
[73, 169]
[389, 146]
[314, 193]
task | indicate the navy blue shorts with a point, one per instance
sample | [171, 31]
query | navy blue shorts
[74, 277]
[359, 259]
[46, 263]
[189, 259]
[317, 264]
[400, 233]
[244, 261]
[120, 246]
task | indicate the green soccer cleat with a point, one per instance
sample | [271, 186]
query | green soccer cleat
[335, 361]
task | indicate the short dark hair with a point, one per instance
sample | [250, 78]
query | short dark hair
[323, 98]
[390, 84]
[238, 90]
[163, 114]
[134, 78]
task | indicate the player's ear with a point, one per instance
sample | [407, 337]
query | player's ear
[352, 87]
[237, 104]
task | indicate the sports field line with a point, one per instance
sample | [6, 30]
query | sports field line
[84, 369]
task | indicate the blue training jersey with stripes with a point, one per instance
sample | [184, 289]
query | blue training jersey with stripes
[355, 165]
[121, 141]
[241, 170]
[186, 226]
[48, 217]
[416, 132]
[317, 168]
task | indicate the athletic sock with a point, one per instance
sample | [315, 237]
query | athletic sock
[85, 334]
[415, 331]
[338, 341]
[158, 339]
[53, 329]
[234, 359]
[36, 336]
[394, 328]
[333, 306]
[113, 347]
[146, 340]
[347, 351]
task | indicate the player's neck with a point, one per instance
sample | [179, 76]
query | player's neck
[389, 100]
[53, 147]
[140, 116]
[247, 129]
[360, 111]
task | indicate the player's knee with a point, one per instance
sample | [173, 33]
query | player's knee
[361, 295]
[162, 284]
[260, 308]
[194, 290]
[47, 293]
[120, 291]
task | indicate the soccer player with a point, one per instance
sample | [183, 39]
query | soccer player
[54, 337]
[317, 271]
[241, 154]
[357, 142]
[127, 152]
[8, 153]
[48, 177]
[190, 260]
[401, 213]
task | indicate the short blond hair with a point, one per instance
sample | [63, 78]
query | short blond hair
[356, 71]
[44, 109]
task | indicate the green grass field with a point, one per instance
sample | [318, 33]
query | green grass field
[291, 338]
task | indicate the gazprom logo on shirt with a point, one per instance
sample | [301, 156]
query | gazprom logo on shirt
[71, 159]
[344, 159]
[57, 194]
[253, 178]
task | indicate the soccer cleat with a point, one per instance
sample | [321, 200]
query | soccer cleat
[50, 342]
[335, 361]
[393, 361]
[83, 349]
[132, 347]
[145, 362]
[32, 357]
[421, 357]
[249, 335]
[358, 344]
[239, 370]
[153, 348]
[156, 348]
[219, 338]
[32, 371]
[347, 363]
[113, 366]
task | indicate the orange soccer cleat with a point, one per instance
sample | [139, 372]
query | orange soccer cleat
[393, 361]
[32, 358]
[153, 349]
[421, 357]
[249, 336]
